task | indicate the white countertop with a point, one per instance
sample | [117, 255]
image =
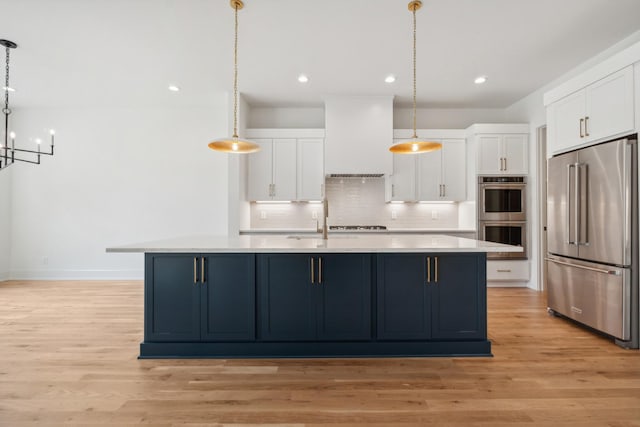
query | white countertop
[386, 231]
[303, 244]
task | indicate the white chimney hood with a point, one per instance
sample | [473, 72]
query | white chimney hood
[358, 133]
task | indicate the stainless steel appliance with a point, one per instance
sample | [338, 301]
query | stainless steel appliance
[502, 198]
[502, 213]
[593, 238]
[507, 232]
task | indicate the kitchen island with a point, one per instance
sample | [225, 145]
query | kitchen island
[302, 296]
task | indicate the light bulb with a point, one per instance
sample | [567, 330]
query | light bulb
[414, 147]
[52, 132]
[38, 141]
[12, 135]
[234, 146]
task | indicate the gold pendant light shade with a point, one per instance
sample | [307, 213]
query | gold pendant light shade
[414, 145]
[233, 144]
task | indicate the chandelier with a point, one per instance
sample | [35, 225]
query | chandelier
[8, 153]
[414, 145]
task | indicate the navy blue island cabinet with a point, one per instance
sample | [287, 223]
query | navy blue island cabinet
[315, 305]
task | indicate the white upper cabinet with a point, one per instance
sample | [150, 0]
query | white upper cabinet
[272, 170]
[310, 169]
[288, 168]
[601, 110]
[403, 179]
[433, 176]
[502, 154]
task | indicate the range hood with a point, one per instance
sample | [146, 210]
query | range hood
[358, 133]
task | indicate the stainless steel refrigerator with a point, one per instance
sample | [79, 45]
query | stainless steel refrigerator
[592, 236]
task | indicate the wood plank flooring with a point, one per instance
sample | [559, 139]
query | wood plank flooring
[68, 357]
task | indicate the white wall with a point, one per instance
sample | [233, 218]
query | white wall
[5, 223]
[120, 175]
[286, 117]
[445, 118]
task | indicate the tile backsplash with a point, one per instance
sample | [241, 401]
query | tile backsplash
[355, 201]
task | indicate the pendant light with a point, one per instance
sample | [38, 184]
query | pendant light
[234, 144]
[414, 145]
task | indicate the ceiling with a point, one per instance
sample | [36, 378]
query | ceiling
[126, 52]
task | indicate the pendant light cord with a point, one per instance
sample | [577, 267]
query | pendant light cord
[6, 111]
[414, 74]
[235, 76]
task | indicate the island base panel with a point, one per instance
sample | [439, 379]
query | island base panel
[315, 349]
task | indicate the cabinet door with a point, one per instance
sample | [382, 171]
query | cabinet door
[310, 169]
[228, 297]
[489, 152]
[402, 309]
[344, 297]
[172, 296]
[284, 169]
[430, 176]
[403, 179]
[516, 154]
[458, 296]
[287, 309]
[565, 126]
[260, 171]
[610, 105]
[454, 168]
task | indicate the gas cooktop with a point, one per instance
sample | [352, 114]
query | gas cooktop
[357, 227]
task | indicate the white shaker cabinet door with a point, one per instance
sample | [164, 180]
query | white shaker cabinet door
[489, 154]
[566, 125]
[403, 179]
[609, 108]
[260, 173]
[454, 169]
[310, 169]
[284, 169]
[515, 149]
[430, 176]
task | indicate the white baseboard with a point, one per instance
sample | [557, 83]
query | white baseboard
[506, 284]
[137, 274]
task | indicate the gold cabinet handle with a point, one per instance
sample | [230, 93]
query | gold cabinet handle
[586, 124]
[202, 280]
[581, 124]
[436, 268]
[428, 269]
[313, 277]
[503, 271]
[195, 269]
[319, 269]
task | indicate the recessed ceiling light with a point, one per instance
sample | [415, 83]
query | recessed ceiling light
[390, 78]
[302, 78]
[480, 79]
[8, 89]
[173, 88]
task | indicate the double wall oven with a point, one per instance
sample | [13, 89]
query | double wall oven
[502, 213]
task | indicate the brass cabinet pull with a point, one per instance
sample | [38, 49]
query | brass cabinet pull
[195, 269]
[581, 124]
[319, 269]
[428, 269]
[202, 280]
[444, 190]
[586, 123]
[503, 271]
[505, 163]
[313, 277]
[436, 268]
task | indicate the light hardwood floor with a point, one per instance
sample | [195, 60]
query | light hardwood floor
[68, 357]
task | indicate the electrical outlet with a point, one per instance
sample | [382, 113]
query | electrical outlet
[394, 214]
[434, 214]
[314, 215]
[263, 214]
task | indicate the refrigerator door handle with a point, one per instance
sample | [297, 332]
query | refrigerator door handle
[568, 228]
[584, 267]
[577, 221]
[586, 206]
